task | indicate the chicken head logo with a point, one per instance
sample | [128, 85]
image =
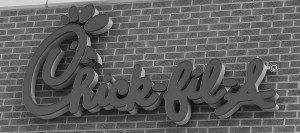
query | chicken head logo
[48, 55]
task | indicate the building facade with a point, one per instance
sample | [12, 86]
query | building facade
[159, 35]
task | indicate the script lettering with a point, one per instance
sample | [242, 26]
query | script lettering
[249, 94]
[177, 104]
[186, 86]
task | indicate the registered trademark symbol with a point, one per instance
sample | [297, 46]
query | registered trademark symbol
[273, 67]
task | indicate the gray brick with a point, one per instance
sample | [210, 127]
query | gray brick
[131, 12]
[197, 41]
[18, 19]
[187, 35]
[148, 24]
[66, 126]
[4, 20]
[198, 28]
[137, 31]
[271, 31]
[228, 33]
[180, 16]
[230, 6]
[177, 42]
[230, 20]
[220, 13]
[150, 11]
[240, 12]
[24, 24]
[217, 40]
[261, 129]
[127, 38]
[188, 22]
[249, 32]
[34, 30]
[147, 37]
[15, 31]
[250, 18]
[139, 18]
[182, 2]
[190, 9]
[227, 46]
[178, 29]
[123, 19]
[28, 128]
[260, 24]
[251, 122]
[85, 126]
[162, 4]
[240, 130]
[158, 30]
[6, 38]
[210, 7]
[208, 20]
[8, 13]
[159, 17]
[219, 27]
[218, 130]
[281, 37]
[170, 10]
[292, 16]
[221, 1]
[141, 5]
[169, 23]
[207, 34]
[122, 6]
[285, 10]
[201, 2]
[9, 129]
[118, 13]
[176, 130]
[46, 127]
[154, 56]
[146, 125]
[252, 5]
[291, 30]
[166, 124]
[7, 26]
[284, 129]
[26, 12]
[240, 26]
[272, 17]
[259, 38]
[292, 3]
[273, 4]
[200, 15]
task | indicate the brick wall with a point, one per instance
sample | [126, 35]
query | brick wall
[159, 35]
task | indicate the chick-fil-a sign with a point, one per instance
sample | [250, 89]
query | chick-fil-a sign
[187, 85]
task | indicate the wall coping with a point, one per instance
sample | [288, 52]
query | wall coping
[26, 4]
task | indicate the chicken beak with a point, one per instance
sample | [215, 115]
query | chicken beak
[91, 56]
